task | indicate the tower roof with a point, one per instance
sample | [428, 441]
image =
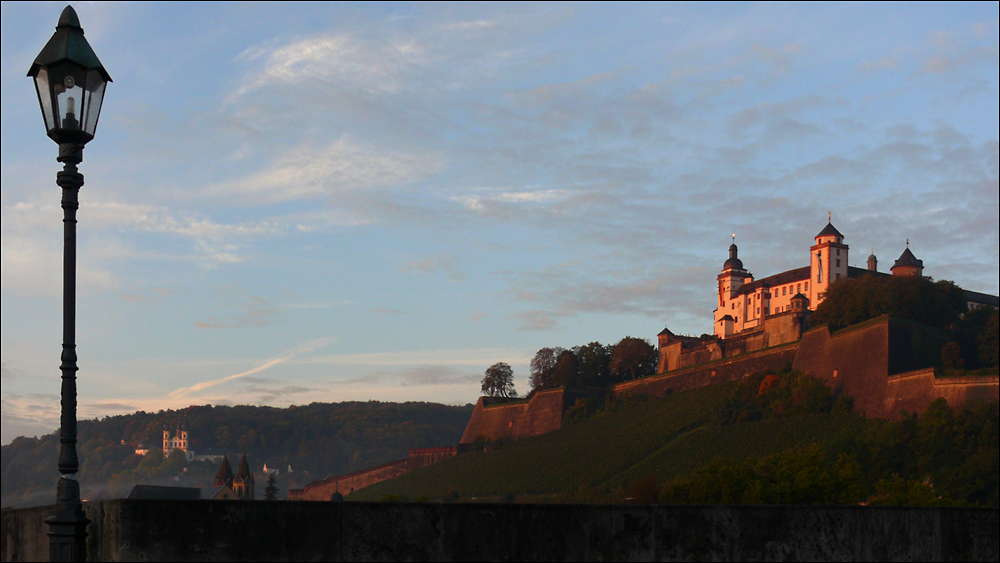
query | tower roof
[243, 473]
[829, 230]
[225, 474]
[733, 263]
[908, 259]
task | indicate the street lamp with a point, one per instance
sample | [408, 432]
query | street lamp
[70, 82]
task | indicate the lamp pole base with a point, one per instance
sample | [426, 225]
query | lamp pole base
[68, 524]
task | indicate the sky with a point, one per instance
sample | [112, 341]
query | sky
[290, 203]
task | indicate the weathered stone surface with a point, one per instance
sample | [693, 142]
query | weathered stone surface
[143, 530]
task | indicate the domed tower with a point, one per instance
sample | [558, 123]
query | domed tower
[872, 262]
[827, 263]
[907, 264]
[732, 278]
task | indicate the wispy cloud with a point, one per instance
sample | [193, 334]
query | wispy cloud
[301, 349]
[257, 312]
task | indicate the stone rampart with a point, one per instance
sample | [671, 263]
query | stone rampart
[729, 369]
[913, 391]
[145, 530]
[860, 361]
[543, 413]
[679, 352]
[350, 482]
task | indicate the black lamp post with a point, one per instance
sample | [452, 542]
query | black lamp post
[70, 82]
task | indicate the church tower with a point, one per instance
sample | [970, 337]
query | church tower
[827, 263]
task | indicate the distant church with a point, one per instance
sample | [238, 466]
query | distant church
[242, 483]
[745, 303]
[179, 441]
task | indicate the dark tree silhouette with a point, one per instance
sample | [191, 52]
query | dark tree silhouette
[543, 368]
[271, 490]
[632, 358]
[499, 381]
[917, 299]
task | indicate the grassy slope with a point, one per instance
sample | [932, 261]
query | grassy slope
[661, 437]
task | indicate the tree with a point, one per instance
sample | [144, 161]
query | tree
[499, 381]
[271, 490]
[565, 372]
[543, 367]
[989, 343]
[593, 361]
[632, 358]
[855, 300]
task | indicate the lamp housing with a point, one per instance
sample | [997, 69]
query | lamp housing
[70, 82]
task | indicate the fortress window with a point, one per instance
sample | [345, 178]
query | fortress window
[838, 252]
[784, 291]
[838, 261]
[807, 286]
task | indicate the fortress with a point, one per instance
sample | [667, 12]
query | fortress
[762, 325]
[752, 315]
[885, 364]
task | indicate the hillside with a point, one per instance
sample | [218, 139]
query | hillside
[692, 435]
[315, 440]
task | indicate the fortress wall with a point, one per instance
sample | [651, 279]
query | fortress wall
[860, 360]
[730, 369]
[197, 530]
[543, 413]
[854, 361]
[915, 390]
[345, 484]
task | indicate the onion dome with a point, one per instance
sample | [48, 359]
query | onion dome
[733, 263]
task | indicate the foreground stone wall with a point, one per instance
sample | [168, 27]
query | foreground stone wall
[137, 530]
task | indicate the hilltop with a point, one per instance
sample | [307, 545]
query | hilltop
[314, 440]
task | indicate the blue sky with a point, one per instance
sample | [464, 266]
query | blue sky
[288, 203]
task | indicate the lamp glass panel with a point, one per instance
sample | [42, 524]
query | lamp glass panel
[45, 98]
[93, 98]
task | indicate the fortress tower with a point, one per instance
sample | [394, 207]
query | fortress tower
[828, 263]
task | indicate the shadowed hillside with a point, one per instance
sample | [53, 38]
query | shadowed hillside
[680, 448]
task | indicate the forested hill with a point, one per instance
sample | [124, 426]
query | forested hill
[315, 440]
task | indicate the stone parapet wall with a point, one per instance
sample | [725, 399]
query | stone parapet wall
[730, 369]
[914, 390]
[350, 482]
[143, 530]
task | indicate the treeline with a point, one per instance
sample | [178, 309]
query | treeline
[973, 339]
[316, 440]
[593, 365]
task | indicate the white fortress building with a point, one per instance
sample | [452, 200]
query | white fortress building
[744, 303]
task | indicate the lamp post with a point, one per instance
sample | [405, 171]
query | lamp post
[70, 82]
